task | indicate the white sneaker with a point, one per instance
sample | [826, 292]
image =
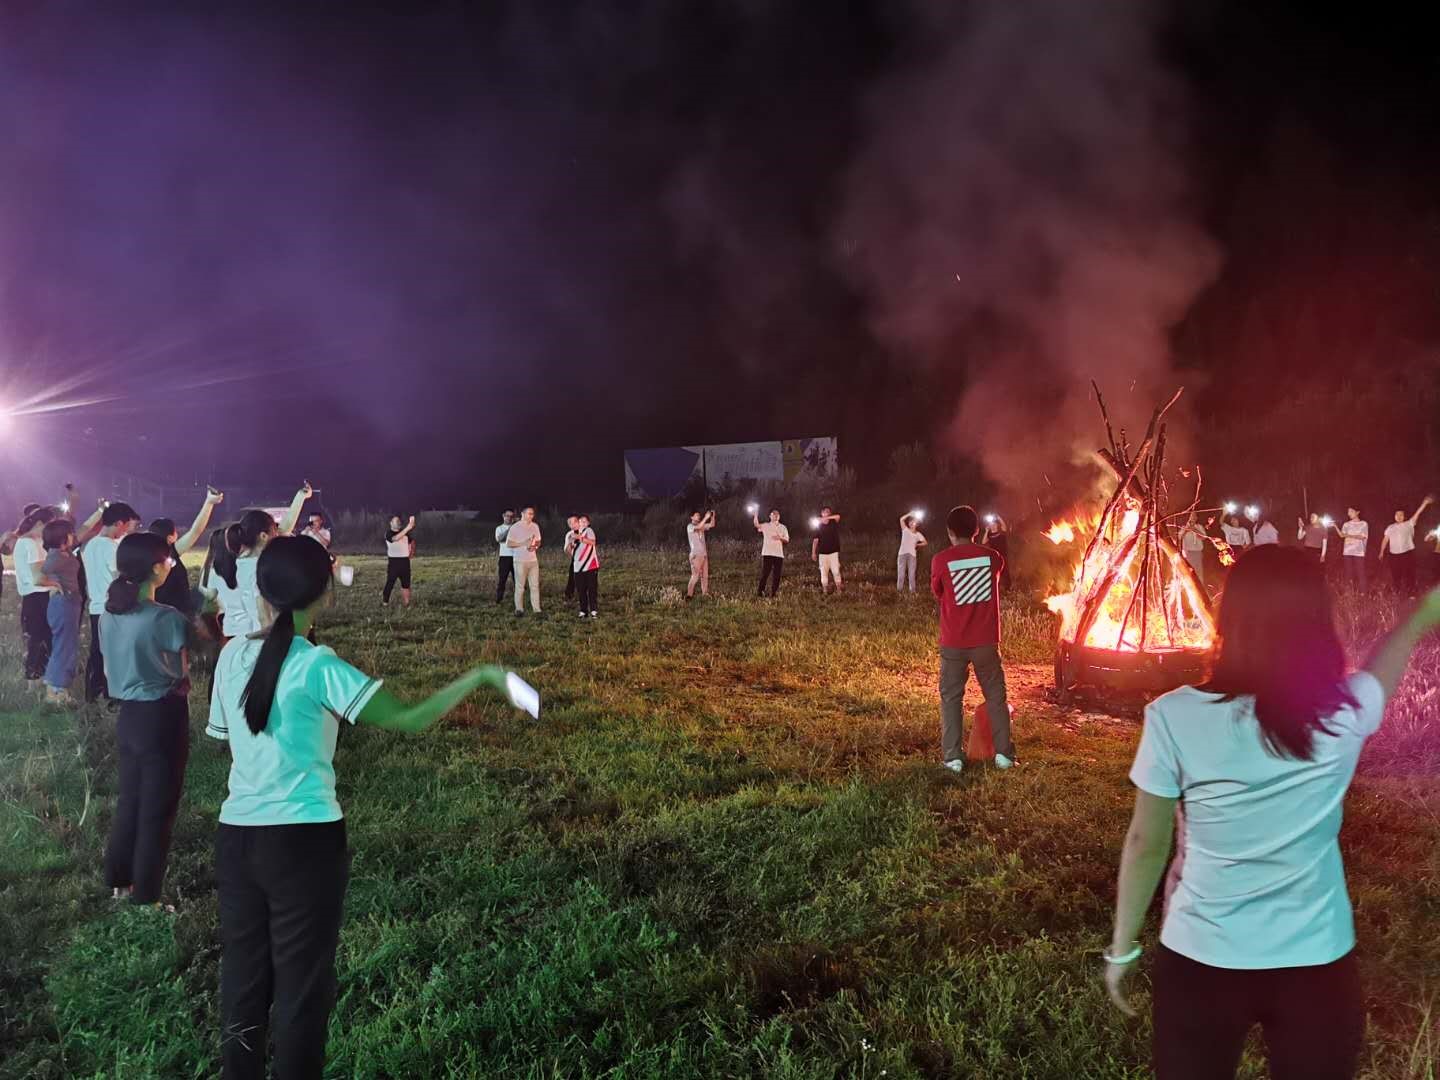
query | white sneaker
[1003, 762]
[594, 614]
[955, 766]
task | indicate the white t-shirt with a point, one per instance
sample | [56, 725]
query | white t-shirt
[1192, 539]
[501, 532]
[776, 537]
[321, 535]
[98, 555]
[285, 775]
[1357, 536]
[1401, 535]
[1263, 884]
[1236, 535]
[27, 553]
[397, 547]
[698, 549]
[1267, 534]
[241, 604]
[523, 533]
[910, 541]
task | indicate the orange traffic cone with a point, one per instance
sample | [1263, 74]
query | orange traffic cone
[980, 746]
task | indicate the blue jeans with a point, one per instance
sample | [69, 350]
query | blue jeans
[64, 618]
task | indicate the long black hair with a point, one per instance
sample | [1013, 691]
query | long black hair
[243, 534]
[1278, 645]
[293, 573]
[135, 560]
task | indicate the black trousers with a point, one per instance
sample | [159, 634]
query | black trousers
[396, 570]
[1402, 572]
[35, 627]
[95, 684]
[587, 587]
[1313, 1019]
[154, 742]
[570, 585]
[282, 899]
[770, 565]
[505, 575]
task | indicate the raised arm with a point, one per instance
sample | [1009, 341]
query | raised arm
[409, 525]
[292, 515]
[201, 522]
[1390, 658]
[1421, 508]
[88, 529]
[385, 710]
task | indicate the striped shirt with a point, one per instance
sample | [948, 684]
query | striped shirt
[583, 551]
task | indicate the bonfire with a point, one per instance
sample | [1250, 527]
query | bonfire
[1135, 615]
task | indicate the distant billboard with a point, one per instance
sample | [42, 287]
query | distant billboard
[664, 472]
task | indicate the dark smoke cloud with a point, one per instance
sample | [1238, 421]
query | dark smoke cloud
[1020, 219]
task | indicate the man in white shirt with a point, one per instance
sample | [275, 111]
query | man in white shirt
[34, 589]
[98, 558]
[317, 531]
[1399, 541]
[1266, 533]
[1192, 543]
[772, 551]
[523, 541]
[1354, 540]
[700, 524]
[506, 572]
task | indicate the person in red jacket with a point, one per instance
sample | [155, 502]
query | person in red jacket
[965, 580]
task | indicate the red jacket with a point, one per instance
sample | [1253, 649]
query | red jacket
[965, 580]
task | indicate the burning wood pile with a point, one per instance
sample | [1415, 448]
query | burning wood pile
[1136, 617]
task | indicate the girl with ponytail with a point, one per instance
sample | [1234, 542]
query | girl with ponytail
[280, 850]
[244, 541]
[143, 647]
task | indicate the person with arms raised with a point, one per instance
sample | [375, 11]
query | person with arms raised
[1259, 929]
[282, 862]
[695, 533]
[965, 580]
[235, 564]
[825, 549]
[399, 543]
[147, 670]
[911, 541]
[1399, 545]
[176, 590]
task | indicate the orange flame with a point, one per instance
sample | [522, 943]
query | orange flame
[1106, 583]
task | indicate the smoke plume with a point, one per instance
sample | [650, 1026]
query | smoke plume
[1020, 217]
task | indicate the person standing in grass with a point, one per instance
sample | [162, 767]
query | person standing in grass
[62, 567]
[825, 549]
[570, 567]
[34, 589]
[1235, 533]
[1354, 539]
[585, 563]
[399, 543]
[524, 542]
[1315, 538]
[317, 530]
[1259, 928]
[997, 538]
[965, 580]
[176, 590]
[147, 670]
[505, 573]
[282, 862]
[1399, 544]
[911, 541]
[772, 551]
[700, 524]
[97, 555]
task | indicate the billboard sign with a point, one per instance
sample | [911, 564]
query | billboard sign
[664, 472]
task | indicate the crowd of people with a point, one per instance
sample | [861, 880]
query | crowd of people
[1257, 925]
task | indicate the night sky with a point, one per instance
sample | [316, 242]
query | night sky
[471, 254]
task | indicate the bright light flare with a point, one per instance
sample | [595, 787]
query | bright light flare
[753, 508]
[65, 506]
[814, 523]
[1252, 512]
[1327, 521]
[989, 519]
[918, 515]
[1232, 507]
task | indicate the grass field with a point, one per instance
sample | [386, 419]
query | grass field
[724, 851]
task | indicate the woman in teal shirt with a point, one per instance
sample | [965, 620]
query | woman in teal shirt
[280, 853]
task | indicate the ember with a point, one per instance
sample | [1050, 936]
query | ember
[1135, 615]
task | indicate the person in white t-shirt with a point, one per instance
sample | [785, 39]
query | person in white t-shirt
[233, 579]
[1354, 539]
[524, 542]
[34, 589]
[97, 555]
[1266, 533]
[911, 541]
[281, 851]
[505, 568]
[1192, 543]
[1259, 928]
[399, 544]
[1236, 534]
[1399, 545]
[700, 524]
[772, 551]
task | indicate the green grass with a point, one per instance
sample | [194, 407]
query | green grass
[725, 850]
